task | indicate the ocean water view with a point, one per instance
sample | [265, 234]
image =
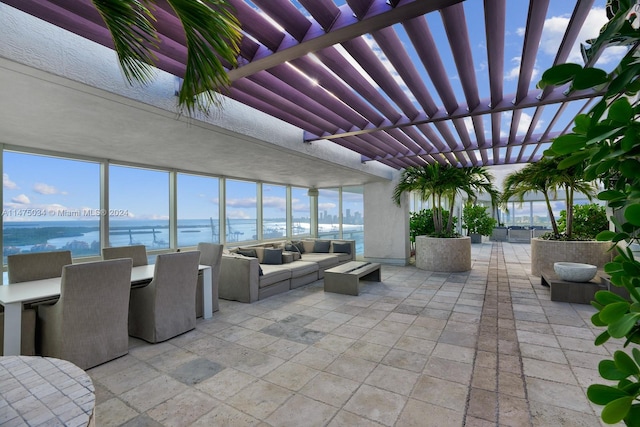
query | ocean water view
[82, 237]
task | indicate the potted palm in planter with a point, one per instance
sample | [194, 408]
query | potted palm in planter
[444, 249]
[544, 177]
[477, 222]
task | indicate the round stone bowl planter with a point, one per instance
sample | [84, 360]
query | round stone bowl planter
[544, 253]
[443, 254]
[575, 271]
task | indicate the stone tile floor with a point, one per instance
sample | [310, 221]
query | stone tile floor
[481, 348]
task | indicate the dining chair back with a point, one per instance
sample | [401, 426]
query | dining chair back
[24, 268]
[165, 307]
[36, 266]
[210, 254]
[88, 324]
[138, 253]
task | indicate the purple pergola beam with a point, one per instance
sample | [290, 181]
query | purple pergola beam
[346, 27]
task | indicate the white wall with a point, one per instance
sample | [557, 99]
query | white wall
[386, 226]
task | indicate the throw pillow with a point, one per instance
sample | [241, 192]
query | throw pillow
[291, 247]
[343, 248]
[272, 256]
[248, 252]
[300, 246]
[322, 246]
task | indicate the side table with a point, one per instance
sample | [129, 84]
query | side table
[44, 390]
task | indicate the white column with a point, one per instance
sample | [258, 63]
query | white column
[386, 225]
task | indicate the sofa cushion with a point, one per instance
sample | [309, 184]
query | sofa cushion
[324, 261]
[343, 248]
[322, 246]
[272, 256]
[274, 274]
[308, 245]
[247, 252]
[302, 268]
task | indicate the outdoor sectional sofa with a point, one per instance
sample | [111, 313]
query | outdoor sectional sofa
[251, 273]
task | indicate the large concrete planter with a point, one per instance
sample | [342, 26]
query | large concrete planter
[545, 252]
[440, 254]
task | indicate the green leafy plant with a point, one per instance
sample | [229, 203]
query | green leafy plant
[607, 138]
[477, 220]
[442, 183]
[212, 34]
[588, 221]
[421, 223]
[544, 177]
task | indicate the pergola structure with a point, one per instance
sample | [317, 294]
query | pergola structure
[372, 76]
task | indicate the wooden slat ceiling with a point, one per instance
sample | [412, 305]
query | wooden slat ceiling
[318, 64]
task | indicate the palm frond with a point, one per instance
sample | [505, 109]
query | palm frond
[130, 23]
[213, 35]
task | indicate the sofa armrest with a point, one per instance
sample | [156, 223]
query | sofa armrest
[352, 244]
[239, 278]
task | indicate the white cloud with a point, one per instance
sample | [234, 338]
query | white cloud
[21, 199]
[523, 125]
[7, 183]
[238, 214]
[249, 202]
[43, 188]
[275, 202]
[326, 206]
[514, 72]
[555, 27]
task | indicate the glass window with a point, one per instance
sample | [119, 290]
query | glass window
[138, 207]
[50, 203]
[353, 217]
[521, 214]
[540, 215]
[329, 213]
[198, 199]
[241, 211]
[274, 211]
[300, 212]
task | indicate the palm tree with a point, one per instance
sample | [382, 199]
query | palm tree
[443, 182]
[212, 35]
[545, 177]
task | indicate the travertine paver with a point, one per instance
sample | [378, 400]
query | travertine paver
[44, 391]
[481, 348]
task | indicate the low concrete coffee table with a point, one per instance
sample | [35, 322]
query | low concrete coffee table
[345, 278]
[574, 292]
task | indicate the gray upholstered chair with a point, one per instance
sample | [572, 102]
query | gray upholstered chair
[210, 254]
[37, 265]
[24, 268]
[166, 306]
[88, 324]
[136, 252]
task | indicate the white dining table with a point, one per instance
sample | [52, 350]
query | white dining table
[14, 295]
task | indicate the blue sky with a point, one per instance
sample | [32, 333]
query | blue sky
[40, 188]
[56, 185]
